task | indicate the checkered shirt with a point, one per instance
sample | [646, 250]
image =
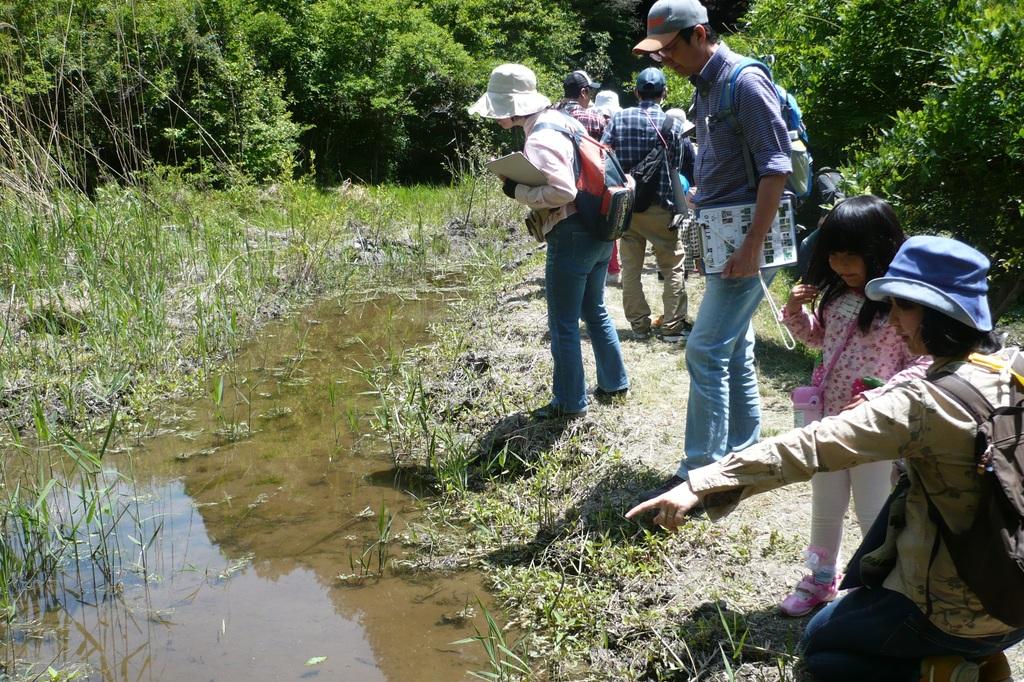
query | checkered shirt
[631, 134]
[593, 121]
[721, 173]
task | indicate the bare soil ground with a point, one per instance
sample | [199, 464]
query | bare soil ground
[538, 505]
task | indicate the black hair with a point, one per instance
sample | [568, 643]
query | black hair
[865, 226]
[945, 337]
[573, 90]
[687, 33]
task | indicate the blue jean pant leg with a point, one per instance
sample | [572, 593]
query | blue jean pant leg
[720, 361]
[878, 634]
[604, 339]
[575, 277]
[744, 397]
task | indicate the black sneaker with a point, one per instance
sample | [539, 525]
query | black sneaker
[552, 411]
[607, 397]
[660, 490]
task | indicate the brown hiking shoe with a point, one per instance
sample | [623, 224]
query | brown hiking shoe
[994, 668]
[948, 669]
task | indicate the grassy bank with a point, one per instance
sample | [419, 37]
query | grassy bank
[141, 292]
[539, 505]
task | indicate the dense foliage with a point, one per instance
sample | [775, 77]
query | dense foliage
[920, 101]
[371, 89]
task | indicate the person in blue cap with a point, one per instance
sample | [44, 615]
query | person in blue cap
[919, 620]
[633, 133]
[723, 411]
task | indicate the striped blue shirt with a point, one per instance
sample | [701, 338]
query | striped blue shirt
[720, 170]
[631, 134]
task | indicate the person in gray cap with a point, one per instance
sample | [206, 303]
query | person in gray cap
[579, 92]
[577, 261]
[916, 616]
[633, 133]
[723, 411]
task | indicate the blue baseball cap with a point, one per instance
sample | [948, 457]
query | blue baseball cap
[650, 81]
[940, 273]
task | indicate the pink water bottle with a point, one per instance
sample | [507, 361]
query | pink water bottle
[808, 405]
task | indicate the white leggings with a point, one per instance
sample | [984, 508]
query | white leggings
[830, 498]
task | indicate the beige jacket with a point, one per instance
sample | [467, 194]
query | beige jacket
[914, 420]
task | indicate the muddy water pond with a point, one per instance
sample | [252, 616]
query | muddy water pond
[261, 509]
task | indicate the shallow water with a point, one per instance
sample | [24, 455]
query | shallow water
[259, 515]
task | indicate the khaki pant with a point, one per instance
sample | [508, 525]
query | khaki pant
[652, 226]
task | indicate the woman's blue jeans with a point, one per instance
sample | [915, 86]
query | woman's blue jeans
[575, 276]
[723, 413]
[877, 634]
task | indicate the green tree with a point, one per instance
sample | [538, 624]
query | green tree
[852, 64]
[123, 84]
[955, 164]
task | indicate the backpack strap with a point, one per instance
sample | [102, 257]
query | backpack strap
[965, 394]
[574, 137]
[664, 132]
[727, 112]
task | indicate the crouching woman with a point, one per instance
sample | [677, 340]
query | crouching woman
[919, 620]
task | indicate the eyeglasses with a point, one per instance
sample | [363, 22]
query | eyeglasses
[659, 55]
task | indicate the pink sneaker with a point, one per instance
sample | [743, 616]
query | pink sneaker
[808, 595]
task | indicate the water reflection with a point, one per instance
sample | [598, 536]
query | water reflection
[249, 506]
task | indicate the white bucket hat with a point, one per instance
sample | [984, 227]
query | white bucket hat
[511, 91]
[607, 101]
[688, 125]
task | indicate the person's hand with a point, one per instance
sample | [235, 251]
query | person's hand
[689, 198]
[800, 294]
[509, 188]
[744, 261]
[672, 506]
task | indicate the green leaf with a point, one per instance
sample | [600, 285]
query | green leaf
[316, 660]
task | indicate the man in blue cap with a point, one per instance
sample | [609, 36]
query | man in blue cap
[633, 133]
[723, 411]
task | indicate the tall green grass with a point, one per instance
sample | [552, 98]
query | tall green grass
[118, 299]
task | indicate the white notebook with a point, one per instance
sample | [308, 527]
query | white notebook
[517, 167]
[721, 229]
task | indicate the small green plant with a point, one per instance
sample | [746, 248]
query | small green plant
[507, 663]
[378, 551]
[383, 543]
[736, 632]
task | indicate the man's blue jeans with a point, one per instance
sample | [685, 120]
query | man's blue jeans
[723, 412]
[575, 276]
[877, 634]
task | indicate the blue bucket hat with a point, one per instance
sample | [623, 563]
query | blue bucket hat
[651, 81]
[940, 273]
